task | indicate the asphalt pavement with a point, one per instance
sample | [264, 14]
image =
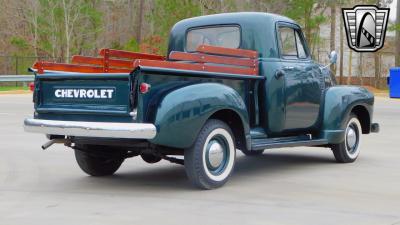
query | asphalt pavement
[283, 186]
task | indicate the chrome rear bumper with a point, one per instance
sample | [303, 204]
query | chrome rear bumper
[91, 129]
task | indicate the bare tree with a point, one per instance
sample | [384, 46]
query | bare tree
[350, 67]
[341, 53]
[333, 32]
[33, 18]
[140, 22]
[377, 63]
[21, 23]
[71, 15]
[53, 29]
[377, 67]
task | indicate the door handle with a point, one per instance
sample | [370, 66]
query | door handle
[288, 67]
[279, 74]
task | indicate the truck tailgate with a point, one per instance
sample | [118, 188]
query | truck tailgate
[83, 94]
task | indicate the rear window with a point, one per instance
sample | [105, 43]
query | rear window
[224, 36]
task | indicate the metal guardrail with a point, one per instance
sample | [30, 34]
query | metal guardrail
[17, 78]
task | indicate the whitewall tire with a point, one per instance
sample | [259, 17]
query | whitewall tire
[349, 150]
[211, 159]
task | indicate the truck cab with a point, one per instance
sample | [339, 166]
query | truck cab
[229, 81]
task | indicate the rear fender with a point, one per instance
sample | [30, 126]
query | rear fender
[182, 113]
[339, 102]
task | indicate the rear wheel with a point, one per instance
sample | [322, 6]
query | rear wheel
[95, 163]
[349, 149]
[211, 159]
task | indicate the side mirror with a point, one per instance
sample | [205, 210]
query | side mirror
[333, 57]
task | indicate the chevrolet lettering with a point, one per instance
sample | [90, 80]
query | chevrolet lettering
[84, 93]
[234, 81]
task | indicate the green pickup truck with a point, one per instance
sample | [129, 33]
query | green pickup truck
[230, 81]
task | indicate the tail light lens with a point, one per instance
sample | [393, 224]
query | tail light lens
[144, 88]
[32, 86]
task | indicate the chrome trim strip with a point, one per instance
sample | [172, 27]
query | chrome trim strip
[91, 129]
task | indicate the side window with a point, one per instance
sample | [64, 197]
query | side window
[291, 43]
[288, 42]
[301, 51]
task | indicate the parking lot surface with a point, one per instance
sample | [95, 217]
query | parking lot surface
[283, 186]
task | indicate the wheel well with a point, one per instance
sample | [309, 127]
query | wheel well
[363, 116]
[235, 123]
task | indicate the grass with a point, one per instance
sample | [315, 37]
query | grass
[13, 88]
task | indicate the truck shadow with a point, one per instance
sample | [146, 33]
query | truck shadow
[173, 177]
[272, 163]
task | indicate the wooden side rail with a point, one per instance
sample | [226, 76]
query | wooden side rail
[195, 66]
[227, 51]
[236, 60]
[129, 55]
[42, 65]
[207, 58]
[105, 64]
[78, 59]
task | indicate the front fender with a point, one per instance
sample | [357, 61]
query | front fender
[338, 103]
[182, 113]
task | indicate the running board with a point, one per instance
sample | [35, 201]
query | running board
[266, 143]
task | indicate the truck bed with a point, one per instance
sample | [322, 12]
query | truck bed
[88, 92]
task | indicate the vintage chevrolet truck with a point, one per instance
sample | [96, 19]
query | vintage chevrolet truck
[229, 81]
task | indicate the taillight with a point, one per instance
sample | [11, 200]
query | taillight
[144, 88]
[31, 86]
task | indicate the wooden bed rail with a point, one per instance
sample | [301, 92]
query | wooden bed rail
[206, 58]
[41, 66]
[194, 66]
[77, 59]
[129, 55]
[227, 51]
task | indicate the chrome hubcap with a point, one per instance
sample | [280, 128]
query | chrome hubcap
[215, 154]
[351, 138]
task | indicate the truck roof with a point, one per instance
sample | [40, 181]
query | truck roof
[235, 17]
[257, 30]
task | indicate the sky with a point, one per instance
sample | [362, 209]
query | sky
[392, 16]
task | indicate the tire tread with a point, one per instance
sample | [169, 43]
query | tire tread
[193, 157]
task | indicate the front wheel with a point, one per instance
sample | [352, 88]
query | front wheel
[349, 149]
[211, 159]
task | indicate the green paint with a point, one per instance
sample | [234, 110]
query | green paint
[180, 107]
[338, 103]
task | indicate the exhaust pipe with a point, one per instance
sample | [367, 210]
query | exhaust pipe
[64, 141]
